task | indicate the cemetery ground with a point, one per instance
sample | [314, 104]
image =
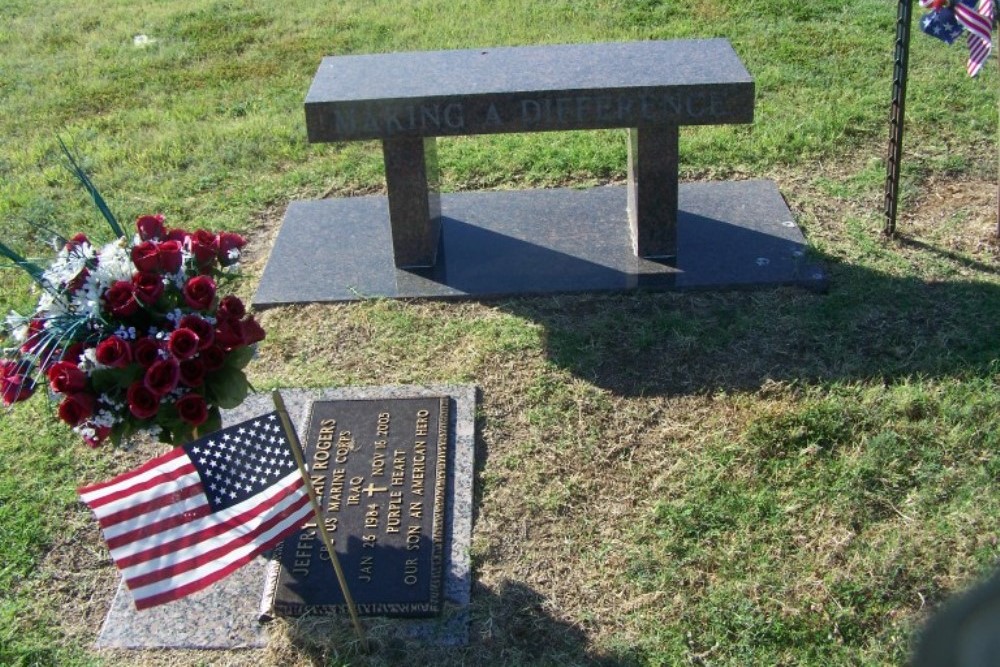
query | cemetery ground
[718, 478]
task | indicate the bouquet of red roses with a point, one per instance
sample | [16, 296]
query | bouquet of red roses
[133, 336]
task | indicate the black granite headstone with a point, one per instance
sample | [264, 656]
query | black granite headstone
[379, 471]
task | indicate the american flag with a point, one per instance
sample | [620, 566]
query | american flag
[980, 25]
[196, 514]
[948, 20]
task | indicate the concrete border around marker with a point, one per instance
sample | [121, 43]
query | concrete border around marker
[225, 615]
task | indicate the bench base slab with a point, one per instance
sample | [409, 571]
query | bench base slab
[735, 234]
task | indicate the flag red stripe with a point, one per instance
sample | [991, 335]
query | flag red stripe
[152, 463]
[174, 569]
[156, 503]
[977, 24]
[163, 477]
[173, 537]
[195, 586]
[158, 526]
[190, 539]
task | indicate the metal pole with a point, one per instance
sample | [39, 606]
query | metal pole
[896, 114]
[296, 448]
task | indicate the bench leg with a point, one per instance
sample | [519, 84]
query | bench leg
[652, 190]
[411, 177]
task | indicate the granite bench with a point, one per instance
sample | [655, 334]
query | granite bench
[650, 233]
[408, 99]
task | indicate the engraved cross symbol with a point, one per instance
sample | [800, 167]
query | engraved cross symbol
[371, 489]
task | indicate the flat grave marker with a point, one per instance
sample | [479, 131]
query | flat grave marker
[379, 469]
[227, 614]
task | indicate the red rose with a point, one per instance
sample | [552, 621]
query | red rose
[178, 235]
[169, 253]
[15, 387]
[76, 408]
[145, 351]
[65, 377]
[120, 299]
[148, 287]
[78, 281]
[230, 335]
[73, 352]
[214, 358]
[199, 292]
[201, 326]
[252, 331]
[114, 352]
[162, 377]
[145, 257]
[192, 372]
[183, 344]
[78, 240]
[204, 247]
[100, 434]
[192, 409]
[151, 227]
[142, 403]
[34, 343]
[229, 248]
[231, 308]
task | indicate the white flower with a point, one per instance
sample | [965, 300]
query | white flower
[87, 300]
[18, 326]
[187, 257]
[88, 360]
[108, 400]
[114, 264]
[105, 418]
[53, 304]
[68, 264]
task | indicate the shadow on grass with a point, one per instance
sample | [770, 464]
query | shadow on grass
[868, 325]
[509, 626]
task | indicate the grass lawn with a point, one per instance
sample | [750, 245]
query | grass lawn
[726, 478]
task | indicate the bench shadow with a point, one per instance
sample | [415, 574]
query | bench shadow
[869, 324]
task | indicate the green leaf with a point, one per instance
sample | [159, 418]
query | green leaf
[30, 268]
[240, 357]
[226, 387]
[102, 206]
[213, 423]
[106, 379]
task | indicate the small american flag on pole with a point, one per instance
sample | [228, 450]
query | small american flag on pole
[949, 18]
[980, 25]
[196, 514]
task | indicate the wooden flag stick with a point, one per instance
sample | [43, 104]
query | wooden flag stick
[279, 405]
